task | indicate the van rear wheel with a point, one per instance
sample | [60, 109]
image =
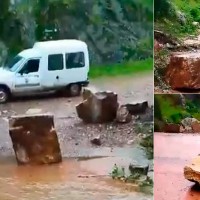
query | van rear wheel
[74, 89]
[4, 95]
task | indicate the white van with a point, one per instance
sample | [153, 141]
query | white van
[61, 65]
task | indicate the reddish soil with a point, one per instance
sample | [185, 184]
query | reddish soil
[171, 153]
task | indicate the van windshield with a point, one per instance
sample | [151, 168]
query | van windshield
[14, 64]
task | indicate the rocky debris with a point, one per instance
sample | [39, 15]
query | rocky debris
[190, 125]
[163, 38]
[196, 127]
[158, 46]
[98, 107]
[136, 169]
[183, 71]
[138, 107]
[172, 128]
[96, 141]
[123, 115]
[34, 139]
[192, 171]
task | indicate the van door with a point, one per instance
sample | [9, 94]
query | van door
[76, 67]
[56, 76]
[28, 77]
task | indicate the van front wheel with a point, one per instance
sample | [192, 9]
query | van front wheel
[74, 89]
[4, 95]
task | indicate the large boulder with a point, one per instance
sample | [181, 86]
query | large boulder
[192, 171]
[34, 139]
[183, 71]
[98, 107]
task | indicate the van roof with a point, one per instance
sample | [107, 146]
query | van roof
[57, 45]
[30, 53]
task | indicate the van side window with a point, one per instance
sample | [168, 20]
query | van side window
[74, 60]
[30, 67]
[55, 62]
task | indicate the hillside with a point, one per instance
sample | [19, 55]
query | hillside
[177, 29]
[115, 30]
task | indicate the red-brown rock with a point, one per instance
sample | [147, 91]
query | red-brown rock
[98, 107]
[196, 127]
[34, 139]
[172, 128]
[192, 171]
[183, 71]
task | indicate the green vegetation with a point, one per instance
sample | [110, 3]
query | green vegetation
[174, 112]
[127, 68]
[147, 140]
[176, 16]
[144, 183]
[116, 31]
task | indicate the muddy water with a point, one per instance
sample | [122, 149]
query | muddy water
[75, 178]
[171, 153]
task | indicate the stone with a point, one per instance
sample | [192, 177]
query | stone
[196, 127]
[138, 169]
[195, 23]
[172, 128]
[96, 141]
[192, 171]
[98, 107]
[183, 71]
[34, 139]
[123, 115]
[190, 125]
[87, 92]
[138, 107]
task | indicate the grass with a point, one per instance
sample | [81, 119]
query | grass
[174, 113]
[144, 182]
[171, 25]
[131, 67]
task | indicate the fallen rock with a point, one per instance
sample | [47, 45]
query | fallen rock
[123, 115]
[87, 92]
[192, 171]
[137, 169]
[172, 128]
[98, 107]
[190, 125]
[138, 107]
[196, 127]
[183, 71]
[96, 141]
[34, 139]
[188, 121]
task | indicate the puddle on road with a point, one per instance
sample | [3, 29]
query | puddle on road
[67, 180]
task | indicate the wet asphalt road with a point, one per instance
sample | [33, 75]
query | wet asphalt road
[171, 153]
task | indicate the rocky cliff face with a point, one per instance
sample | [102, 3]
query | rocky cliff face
[115, 30]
